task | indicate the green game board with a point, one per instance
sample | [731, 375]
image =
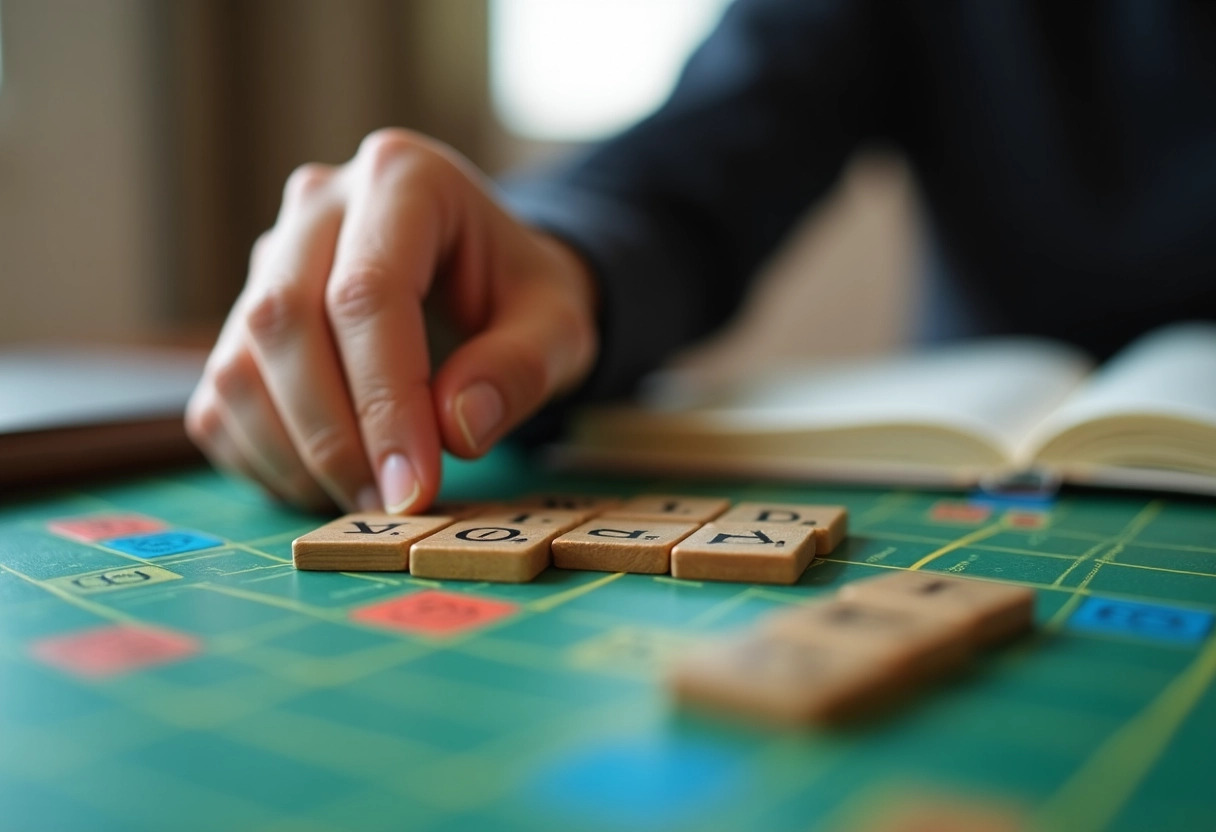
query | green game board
[219, 689]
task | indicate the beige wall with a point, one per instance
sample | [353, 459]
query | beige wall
[77, 219]
[143, 145]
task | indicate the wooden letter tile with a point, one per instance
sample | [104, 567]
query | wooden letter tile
[831, 523]
[463, 509]
[558, 520]
[485, 549]
[778, 679]
[568, 502]
[620, 546]
[669, 508]
[364, 543]
[983, 611]
[771, 555]
[914, 646]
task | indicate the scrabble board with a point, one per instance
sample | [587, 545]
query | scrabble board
[163, 666]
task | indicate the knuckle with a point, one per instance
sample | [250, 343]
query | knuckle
[305, 181]
[358, 293]
[231, 379]
[273, 311]
[377, 406]
[578, 330]
[390, 145]
[396, 153]
[328, 449]
[202, 421]
[532, 368]
[259, 249]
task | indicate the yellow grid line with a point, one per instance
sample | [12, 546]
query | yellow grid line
[557, 599]
[1093, 796]
[966, 540]
[75, 600]
[950, 547]
[1134, 526]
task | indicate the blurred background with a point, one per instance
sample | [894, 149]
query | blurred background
[144, 144]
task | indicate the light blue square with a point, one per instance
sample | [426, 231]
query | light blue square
[163, 544]
[1151, 621]
[641, 783]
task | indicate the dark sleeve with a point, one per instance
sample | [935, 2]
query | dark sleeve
[676, 214]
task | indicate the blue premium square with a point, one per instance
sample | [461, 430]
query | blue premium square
[163, 544]
[1151, 621]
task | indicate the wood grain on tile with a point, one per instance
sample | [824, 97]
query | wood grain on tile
[831, 523]
[984, 611]
[485, 549]
[774, 555]
[620, 546]
[670, 508]
[915, 646]
[777, 679]
[365, 542]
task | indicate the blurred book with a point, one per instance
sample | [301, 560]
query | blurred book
[75, 410]
[945, 417]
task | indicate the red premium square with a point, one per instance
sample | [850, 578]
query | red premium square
[102, 526]
[947, 512]
[435, 613]
[1026, 519]
[109, 651]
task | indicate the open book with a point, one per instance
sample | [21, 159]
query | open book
[1147, 419]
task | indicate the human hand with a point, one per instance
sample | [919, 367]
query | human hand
[319, 387]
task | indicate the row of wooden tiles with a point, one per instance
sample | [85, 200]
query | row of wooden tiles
[698, 538]
[874, 642]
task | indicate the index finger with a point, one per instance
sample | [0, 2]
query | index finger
[386, 255]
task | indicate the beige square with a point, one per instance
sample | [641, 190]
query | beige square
[831, 523]
[622, 545]
[777, 679]
[485, 549]
[364, 542]
[914, 646]
[984, 612]
[593, 503]
[670, 508]
[772, 555]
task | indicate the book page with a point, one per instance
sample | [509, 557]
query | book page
[997, 389]
[45, 387]
[1169, 373]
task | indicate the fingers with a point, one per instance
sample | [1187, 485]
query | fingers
[320, 384]
[284, 315]
[257, 431]
[208, 429]
[387, 253]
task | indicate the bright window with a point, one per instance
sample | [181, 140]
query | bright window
[577, 70]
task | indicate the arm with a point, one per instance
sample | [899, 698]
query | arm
[675, 215]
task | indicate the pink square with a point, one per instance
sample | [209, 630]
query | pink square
[950, 512]
[111, 650]
[102, 526]
[435, 613]
[1026, 519]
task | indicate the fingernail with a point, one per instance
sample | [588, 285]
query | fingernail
[398, 484]
[369, 499]
[479, 411]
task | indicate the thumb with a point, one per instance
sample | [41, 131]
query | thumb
[539, 344]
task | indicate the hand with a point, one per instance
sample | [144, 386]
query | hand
[319, 386]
